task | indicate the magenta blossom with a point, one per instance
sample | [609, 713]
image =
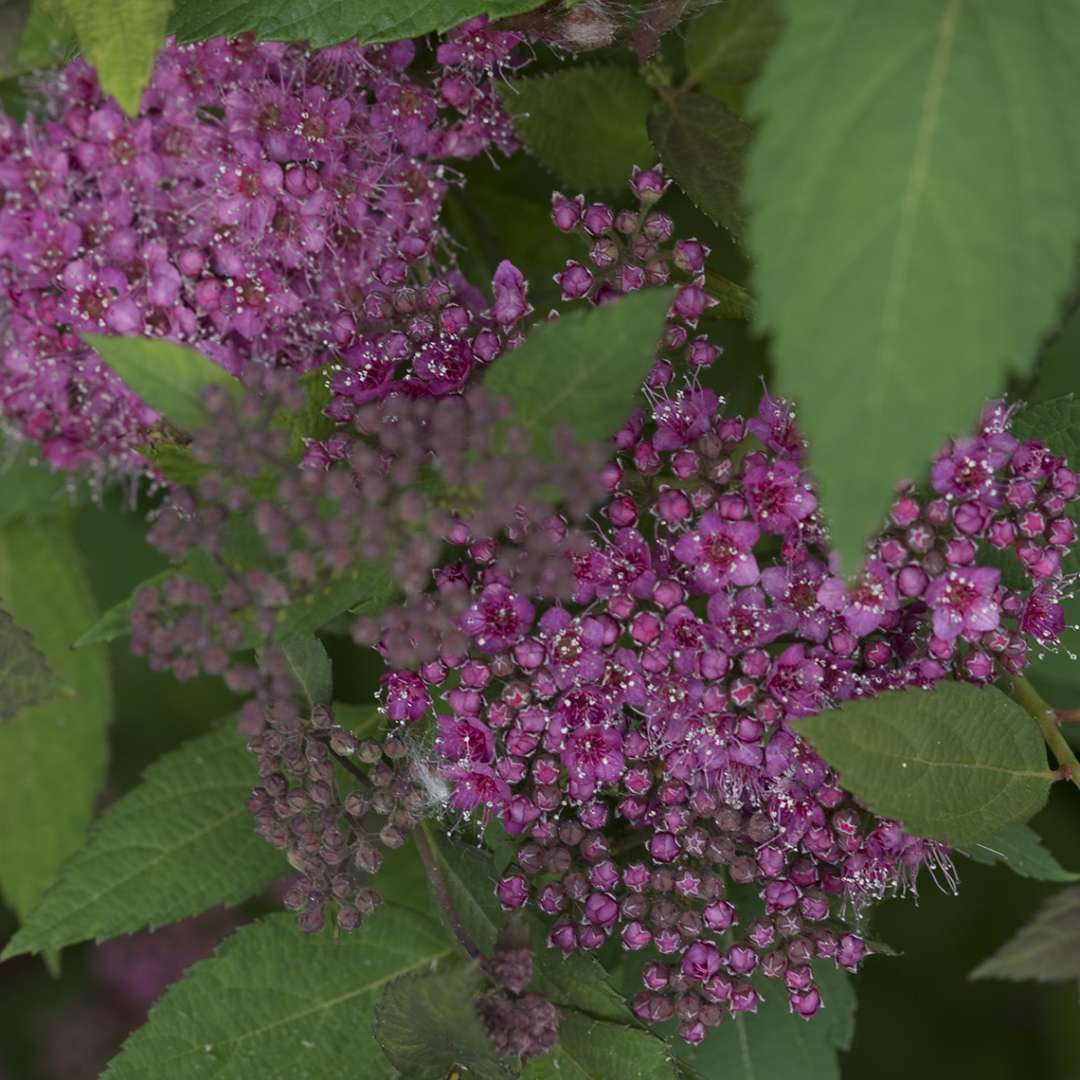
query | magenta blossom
[498, 618]
[963, 600]
[720, 552]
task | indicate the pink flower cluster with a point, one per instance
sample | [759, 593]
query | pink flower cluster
[269, 204]
[639, 738]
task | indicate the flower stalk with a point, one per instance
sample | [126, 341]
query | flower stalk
[1044, 715]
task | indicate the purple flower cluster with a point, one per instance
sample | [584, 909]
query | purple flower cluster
[269, 203]
[639, 738]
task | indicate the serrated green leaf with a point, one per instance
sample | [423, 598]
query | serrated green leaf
[364, 589]
[121, 39]
[275, 1004]
[957, 763]
[576, 981]
[25, 676]
[703, 144]
[586, 124]
[179, 843]
[591, 1049]
[328, 22]
[727, 44]
[169, 378]
[310, 665]
[582, 371]
[773, 1042]
[1020, 848]
[1047, 949]
[914, 220]
[426, 1024]
[53, 755]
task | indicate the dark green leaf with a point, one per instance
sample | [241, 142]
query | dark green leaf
[914, 221]
[310, 666]
[426, 1024]
[774, 1043]
[1020, 849]
[958, 762]
[53, 755]
[586, 124]
[327, 22]
[25, 676]
[703, 144]
[121, 39]
[364, 589]
[1047, 949]
[576, 981]
[583, 371]
[728, 43]
[274, 1004]
[13, 17]
[179, 843]
[591, 1049]
[169, 378]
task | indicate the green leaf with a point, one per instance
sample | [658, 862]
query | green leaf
[364, 589]
[179, 843]
[169, 378]
[703, 144]
[958, 762]
[591, 1049]
[274, 1004]
[914, 220]
[1047, 949]
[53, 755]
[426, 1024]
[25, 676]
[29, 487]
[328, 22]
[310, 666]
[771, 1042]
[728, 43]
[576, 981]
[13, 17]
[47, 37]
[121, 39]
[1020, 848]
[582, 371]
[586, 123]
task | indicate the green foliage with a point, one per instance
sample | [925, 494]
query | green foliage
[365, 588]
[727, 45]
[591, 1049]
[179, 843]
[1020, 849]
[311, 668]
[327, 22]
[169, 378]
[25, 676]
[29, 487]
[33, 35]
[586, 124]
[121, 39]
[770, 1042]
[52, 755]
[1047, 949]
[958, 762]
[582, 371]
[427, 1023]
[273, 1004]
[914, 222]
[703, 143]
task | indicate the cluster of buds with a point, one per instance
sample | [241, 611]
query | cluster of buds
[640, 740]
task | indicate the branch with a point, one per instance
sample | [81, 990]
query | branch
[1046, 718]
